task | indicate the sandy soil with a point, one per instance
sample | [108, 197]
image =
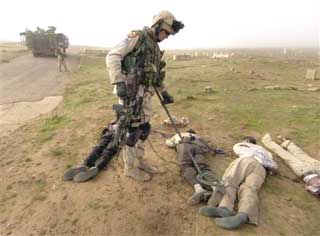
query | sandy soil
[35, 201]
[13, 115]
[29, 87]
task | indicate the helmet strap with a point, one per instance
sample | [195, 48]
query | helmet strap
[157, 29]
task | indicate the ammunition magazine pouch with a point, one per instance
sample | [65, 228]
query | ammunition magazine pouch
[119, 109]
[132, 84]
[158, 80]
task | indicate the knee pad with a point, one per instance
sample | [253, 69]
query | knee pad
[146, 127]
[134, 136]
[136, 133]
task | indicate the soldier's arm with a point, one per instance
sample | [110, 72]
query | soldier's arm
[59, 51]
[62, 52]
[162, 74]
[117, 54]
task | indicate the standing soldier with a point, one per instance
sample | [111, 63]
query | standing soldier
[60, 53]
[139, 56]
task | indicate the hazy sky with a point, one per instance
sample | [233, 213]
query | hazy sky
[208, 23]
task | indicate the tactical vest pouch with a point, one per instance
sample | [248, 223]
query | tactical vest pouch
[131, 84]
[158, 80]
[150, 71]
[128, 64]
[119, 110]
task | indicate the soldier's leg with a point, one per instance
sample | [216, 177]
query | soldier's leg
[143, 133]
[60, 65]
[131, 164]
[142, 163]
[65, 65]
[146, 112]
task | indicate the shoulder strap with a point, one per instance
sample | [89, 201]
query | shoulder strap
[142, 38]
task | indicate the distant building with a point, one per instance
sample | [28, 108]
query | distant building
[96, 52]
[201, 54]
[182, 57]
[312, 74]
[221, 55]
[284, 52]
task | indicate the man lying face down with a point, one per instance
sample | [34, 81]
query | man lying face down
[98, 158]
[243, 178]
[200, 149]
[304, 166]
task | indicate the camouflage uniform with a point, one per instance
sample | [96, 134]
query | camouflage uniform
[139, 56]
[61, 58]
[136, 41]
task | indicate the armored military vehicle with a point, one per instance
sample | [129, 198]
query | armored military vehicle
[44, 42]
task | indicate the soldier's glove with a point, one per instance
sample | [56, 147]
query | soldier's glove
[167, 98]
[121, 89]
[162, 65]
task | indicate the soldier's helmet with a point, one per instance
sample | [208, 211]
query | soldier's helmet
[165, 20]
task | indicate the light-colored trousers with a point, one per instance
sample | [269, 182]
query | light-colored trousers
[62, 63]
[133, 155]
[243, 179]
[300, 162]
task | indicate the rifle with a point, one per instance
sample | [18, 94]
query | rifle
[127, 114]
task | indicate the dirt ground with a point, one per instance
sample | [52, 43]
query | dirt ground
[29, 87]
[35, 201]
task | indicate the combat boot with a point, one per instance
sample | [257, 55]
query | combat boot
[137, 174]
[131, 164]
[145, 166]
[86, 175]
[232, 222]
[72, 172]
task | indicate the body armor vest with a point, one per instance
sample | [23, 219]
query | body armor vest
[145, 59]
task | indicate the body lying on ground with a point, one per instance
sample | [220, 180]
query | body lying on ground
[304, 166]
[199, 149]
[101, 155]
[243, 179]
[98, 158]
